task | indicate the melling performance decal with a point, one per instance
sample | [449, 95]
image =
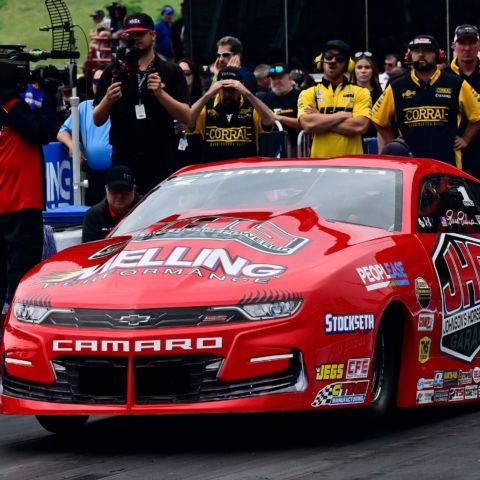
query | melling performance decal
[263, 236]
[456, 260]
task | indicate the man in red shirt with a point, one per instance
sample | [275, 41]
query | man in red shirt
[22, 132]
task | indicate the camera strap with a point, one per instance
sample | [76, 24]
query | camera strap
[140, 112]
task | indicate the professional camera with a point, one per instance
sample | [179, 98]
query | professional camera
[125, 60]
[15, 73]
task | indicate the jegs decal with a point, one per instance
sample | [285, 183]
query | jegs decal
[456, 260]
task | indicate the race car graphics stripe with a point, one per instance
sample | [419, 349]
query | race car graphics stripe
[456, 261]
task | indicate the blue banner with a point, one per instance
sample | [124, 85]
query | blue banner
[59, 176]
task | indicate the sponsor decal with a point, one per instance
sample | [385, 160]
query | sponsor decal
[456, 394]
[342, 393]
[425, 383]
[211, 263]
[438, 380]
[425, 322]
[476, 374]
[457, 266]
[348, 323]
[409, 93]
[423, 292]
[329, 371]
[107, 251]
[150, 345]
[426, 115]
[357, 368]
[440, 396]
[425, 222]
[450, 378]
[458, 218]
[465, 377]
[425, 396]
[388, 274]
[424, 349]
[471, 392]
[262, 236]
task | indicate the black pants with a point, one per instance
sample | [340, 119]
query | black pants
[149, 167]
[21, 244]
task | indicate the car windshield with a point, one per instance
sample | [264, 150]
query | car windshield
[363, 196]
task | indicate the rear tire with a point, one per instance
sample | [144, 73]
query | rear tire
[385, 370]
[62, 424]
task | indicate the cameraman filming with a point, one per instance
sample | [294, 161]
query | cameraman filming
[22, 132]
[143, 94]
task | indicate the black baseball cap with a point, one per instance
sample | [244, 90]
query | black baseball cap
[423, 41]
[338, 45]
[278, 69]
[229, 73]
[120, 176]
[138, 22]
[466, 31]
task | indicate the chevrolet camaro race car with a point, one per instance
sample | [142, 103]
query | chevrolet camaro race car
[259, 285]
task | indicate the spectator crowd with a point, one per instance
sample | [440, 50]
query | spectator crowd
[147, 111]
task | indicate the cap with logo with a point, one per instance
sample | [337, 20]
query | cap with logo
[229, 73]
[338, 45]
[423, 41]
[120, 176]
[466, 31]
[167, 10]
[138, 22]
[98, 13]
[278, 69]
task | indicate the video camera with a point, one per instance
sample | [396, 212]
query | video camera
[125, 60]
[15, 73]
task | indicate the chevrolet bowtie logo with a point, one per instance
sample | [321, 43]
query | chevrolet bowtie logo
[134, 320]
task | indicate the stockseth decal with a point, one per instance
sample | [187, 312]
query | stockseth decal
[456, 260]
[342, 393]
[263, 236]
[388, 274]
[348, 323]
[173, 260]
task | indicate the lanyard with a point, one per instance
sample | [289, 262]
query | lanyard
[141, 80]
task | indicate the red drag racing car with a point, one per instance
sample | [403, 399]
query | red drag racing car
[259, 285]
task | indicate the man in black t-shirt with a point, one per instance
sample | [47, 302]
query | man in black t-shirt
[143, 95]
[283, 101]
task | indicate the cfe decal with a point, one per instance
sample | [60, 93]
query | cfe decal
[381, 275]
[263, 236]
[342, 393]
[456, 260]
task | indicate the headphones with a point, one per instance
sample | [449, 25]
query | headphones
[349, 64]
[429, 41]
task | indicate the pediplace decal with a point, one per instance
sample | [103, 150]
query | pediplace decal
[456, 260]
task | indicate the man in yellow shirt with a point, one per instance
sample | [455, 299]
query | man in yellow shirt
[335, 111]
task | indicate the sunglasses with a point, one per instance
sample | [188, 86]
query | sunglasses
[224, 54]
[187, 73]
[279, 69]
[388, 64]
[364, 54]
[331, 56]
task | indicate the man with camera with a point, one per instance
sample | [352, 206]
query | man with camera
[142, 94]
[22, 132]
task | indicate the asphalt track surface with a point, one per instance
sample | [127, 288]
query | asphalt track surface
[441, 443]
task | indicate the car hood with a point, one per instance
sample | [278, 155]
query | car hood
[201, 260]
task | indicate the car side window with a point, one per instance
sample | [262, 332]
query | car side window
[448, 203]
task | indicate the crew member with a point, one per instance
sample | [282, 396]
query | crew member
[427, 105]
[229, 118]
[465, 64]
[143, 100]
[335, 111]
[22, 132]
[121, 197]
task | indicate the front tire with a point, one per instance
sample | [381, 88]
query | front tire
[62, 424]
[385, 370]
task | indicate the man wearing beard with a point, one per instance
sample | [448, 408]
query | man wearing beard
[427, 105]
[228, 119]
[283, 100]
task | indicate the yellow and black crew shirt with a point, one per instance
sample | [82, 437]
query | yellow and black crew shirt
[228, 132]
[326, 99]
[428, 114]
